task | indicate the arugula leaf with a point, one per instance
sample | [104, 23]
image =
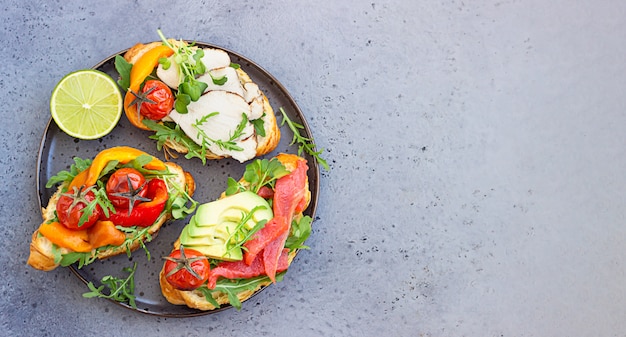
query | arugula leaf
[67, 176]
[305, 144]
[300, 231]
[109, 167]
[240, 234]
[171, 132]
[120, 290]
[83, 259]
[233, 287]
[56, 252]
[101, 199]
[136, 235]
[123, 68]
[229, 144]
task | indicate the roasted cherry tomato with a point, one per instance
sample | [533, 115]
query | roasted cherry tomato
[186, 269]
[145, 213]
[71, 207]
[157, 101]
[126, 188]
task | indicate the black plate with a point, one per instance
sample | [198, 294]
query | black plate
[57, 151]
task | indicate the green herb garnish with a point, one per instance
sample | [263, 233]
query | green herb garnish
[172, 132]
[234, 287]
[259, 173]
[190, 65]
[120, 290]
[67, 176]
[123, 68]
[305, 144]
[228, 145]
[299, 232]
[240, 234]
[136, 235]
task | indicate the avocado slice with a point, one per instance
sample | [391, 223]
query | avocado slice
[218, 252]
[213, 228]
[231, 209]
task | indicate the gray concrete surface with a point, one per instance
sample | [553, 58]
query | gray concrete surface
[477, 163]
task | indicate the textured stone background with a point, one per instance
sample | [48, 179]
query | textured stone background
[477, 163]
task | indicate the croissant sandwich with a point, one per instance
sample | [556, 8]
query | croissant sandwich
[196, 101]
[245, 240]
[107, 206]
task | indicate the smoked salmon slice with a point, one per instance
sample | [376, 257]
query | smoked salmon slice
[289, 191]
[239, 269]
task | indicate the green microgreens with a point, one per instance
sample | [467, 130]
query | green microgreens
[190, 65]
[228, 145]
[259, 173]
[240, 234]
[120, 290]
[305, 144]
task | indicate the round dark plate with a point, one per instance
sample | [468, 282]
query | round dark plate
[57, 151]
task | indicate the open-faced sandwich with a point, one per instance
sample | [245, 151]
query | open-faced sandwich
[197, 101]
[107, 206]
[245, 240]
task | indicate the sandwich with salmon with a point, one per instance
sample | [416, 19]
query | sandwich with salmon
[196, 101]
[236, 245]
[109, 205]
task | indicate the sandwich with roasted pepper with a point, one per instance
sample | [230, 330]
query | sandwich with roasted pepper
[236, 245]
[196, 101]
[110, 205]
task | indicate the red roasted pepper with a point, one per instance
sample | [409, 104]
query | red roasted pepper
[144, 214]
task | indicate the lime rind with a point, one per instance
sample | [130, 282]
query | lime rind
[86, 104]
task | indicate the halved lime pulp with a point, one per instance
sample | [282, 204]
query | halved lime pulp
[86, 104]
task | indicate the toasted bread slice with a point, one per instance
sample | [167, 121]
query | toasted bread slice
[42, 250]
[195, 298]
[265, 144]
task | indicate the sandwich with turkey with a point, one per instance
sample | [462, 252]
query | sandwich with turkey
[196, 101]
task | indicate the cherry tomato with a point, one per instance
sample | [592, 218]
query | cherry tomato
[159, 93]
[145, 213]
[70, 208]
[181, 266]
[126, 185]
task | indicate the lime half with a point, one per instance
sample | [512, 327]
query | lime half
[86, 104]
